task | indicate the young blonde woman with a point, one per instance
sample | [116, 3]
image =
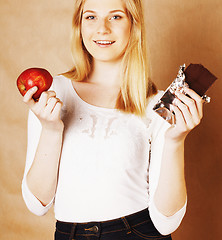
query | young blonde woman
[112, 168]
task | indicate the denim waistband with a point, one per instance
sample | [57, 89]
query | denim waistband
[103, 227]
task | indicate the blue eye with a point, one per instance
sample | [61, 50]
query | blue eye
[90, 17]
[116, 17]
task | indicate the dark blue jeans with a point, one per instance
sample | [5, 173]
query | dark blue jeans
[136, 226]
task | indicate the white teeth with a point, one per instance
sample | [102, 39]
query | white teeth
[104, 42]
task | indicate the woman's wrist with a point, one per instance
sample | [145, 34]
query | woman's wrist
[54, 128]
[175, 148]
[174, 141]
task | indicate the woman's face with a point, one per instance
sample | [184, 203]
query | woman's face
[105, 29]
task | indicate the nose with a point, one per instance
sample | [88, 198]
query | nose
[103, 26]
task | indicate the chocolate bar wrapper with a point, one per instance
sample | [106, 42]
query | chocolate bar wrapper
[196, 77]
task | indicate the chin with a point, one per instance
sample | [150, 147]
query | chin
[111, 60]
[107, 58]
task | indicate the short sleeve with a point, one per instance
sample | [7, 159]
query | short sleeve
[164, 224]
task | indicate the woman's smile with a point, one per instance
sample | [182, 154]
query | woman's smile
[104, 43]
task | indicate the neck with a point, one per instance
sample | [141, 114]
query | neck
[105, 73]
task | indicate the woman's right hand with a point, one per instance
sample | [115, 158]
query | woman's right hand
[47, 108]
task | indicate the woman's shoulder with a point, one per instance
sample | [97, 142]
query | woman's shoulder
[61, 85]
[158, 124]
[60, 81]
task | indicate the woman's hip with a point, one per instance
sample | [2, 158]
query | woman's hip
[136, 226]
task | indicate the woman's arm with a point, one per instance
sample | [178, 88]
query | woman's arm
[42, 176]
[170, 195]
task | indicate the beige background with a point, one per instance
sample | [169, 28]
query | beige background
[36, 33]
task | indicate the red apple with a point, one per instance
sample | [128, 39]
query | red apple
[34, 77]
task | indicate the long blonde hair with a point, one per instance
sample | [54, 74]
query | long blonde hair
[136, 86]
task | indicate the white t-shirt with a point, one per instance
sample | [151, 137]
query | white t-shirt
[106, 171]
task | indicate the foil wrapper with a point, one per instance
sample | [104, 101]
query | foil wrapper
[196, 77]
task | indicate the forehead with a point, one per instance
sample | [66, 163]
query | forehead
[104, 5]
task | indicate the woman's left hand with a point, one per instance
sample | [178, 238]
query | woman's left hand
[188, 114]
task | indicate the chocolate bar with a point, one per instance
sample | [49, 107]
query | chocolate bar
[196, 77]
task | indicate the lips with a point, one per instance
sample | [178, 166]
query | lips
[104, 43]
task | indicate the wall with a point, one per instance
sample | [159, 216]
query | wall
[36, 33]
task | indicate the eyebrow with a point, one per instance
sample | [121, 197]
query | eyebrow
[113, 11]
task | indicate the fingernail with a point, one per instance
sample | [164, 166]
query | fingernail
[35, 88]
